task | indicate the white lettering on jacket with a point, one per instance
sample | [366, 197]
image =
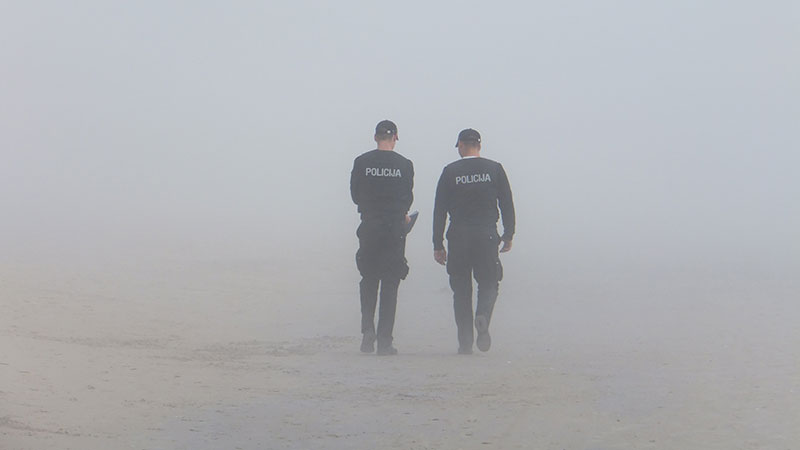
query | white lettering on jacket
[475, 178]
[383, 172]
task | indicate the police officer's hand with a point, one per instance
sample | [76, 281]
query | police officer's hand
[408, 218]
[440, 256]
[506, 246]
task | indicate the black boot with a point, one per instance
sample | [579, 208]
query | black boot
[483, 341]
[386, 350]
[368, 342]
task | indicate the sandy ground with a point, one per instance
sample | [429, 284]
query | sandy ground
[226, 353]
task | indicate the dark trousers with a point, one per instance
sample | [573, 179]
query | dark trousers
[381, 261]
[369, 301]
[473, 253]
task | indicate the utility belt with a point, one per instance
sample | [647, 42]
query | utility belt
[461, 230]
[384, 216]
[381, 225]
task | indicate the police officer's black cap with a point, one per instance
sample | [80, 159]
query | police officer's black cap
[385, 128]
[469, 135]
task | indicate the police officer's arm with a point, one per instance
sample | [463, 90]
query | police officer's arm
[506, 203]
[355, 177]
[408, 195]
[439, 219]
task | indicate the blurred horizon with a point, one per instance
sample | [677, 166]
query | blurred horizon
[633, 134]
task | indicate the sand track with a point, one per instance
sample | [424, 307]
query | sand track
[115, 358]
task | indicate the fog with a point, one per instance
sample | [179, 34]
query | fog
[185, 149]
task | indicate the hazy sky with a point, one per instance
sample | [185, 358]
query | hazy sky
[626, 127]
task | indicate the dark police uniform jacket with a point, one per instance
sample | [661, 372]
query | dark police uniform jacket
[470, 190]
[381, 184]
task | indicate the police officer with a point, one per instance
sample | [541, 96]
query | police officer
[381, 184]
[470, 191]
